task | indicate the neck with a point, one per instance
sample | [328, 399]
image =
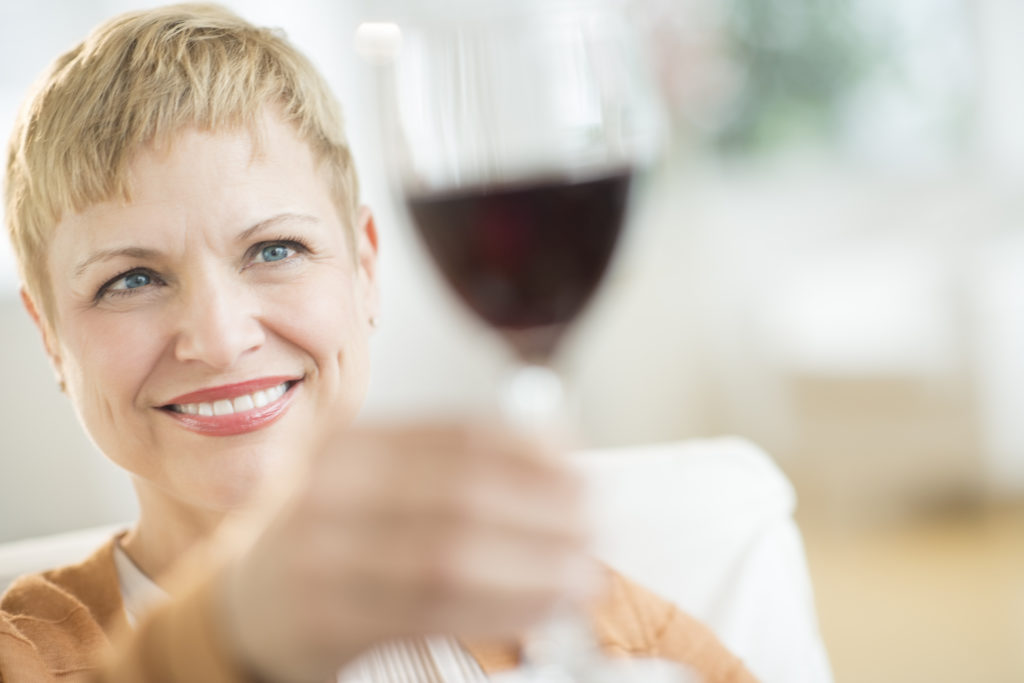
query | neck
[167, 530]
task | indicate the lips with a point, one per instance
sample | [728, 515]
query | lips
[233, 409]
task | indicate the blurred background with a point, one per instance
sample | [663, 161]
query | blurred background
[829, 260]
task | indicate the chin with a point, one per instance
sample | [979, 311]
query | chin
[233, 483]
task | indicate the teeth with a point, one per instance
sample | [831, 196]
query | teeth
[243, 403]
[257, 399]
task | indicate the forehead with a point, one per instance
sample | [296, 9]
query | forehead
[204, 179]
[194, 159]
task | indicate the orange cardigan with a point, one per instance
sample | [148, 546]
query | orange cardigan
[58, 625]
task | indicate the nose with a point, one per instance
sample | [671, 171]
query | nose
[218, 323]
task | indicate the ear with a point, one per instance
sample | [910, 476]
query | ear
[49, 338]
[366, 245]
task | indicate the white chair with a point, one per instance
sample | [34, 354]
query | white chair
[706, 524]
[46, 552]
[709, 526]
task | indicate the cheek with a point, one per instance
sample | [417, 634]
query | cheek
[114, 354]
[328, 328]
[323, 316]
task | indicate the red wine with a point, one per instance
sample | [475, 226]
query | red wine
[525, 257]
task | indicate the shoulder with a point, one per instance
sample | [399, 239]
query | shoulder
[19, 658]
[632, 621]
[63, 616]
[89, 585]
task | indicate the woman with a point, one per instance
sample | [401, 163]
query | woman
[184, 211]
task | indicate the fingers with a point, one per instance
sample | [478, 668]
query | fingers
[481, 584]
[418, 529]
[430, 474]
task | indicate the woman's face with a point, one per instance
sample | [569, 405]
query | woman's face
[218, 321]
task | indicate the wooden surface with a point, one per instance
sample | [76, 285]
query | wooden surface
[927, 598]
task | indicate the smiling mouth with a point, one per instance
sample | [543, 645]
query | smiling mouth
[231, 406]
[235, 415]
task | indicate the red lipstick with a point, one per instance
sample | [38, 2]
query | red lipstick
[229, 391]
[237, 422]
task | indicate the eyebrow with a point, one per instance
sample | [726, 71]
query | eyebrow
[271, 222]
[107, 254]
[143, 253]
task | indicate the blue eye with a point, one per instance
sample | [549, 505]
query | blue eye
[281, 250]
[127, 284]
[136, 280]
[128, 281]
[275, 252]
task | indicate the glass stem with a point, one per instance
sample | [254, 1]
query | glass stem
[533, 399]
[560, 649]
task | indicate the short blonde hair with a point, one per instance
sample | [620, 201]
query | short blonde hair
[139, 79]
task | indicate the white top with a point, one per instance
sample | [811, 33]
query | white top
[437, 659]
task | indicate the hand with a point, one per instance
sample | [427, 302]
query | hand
[469, 530]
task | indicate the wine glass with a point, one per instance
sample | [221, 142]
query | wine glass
[513, 132]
